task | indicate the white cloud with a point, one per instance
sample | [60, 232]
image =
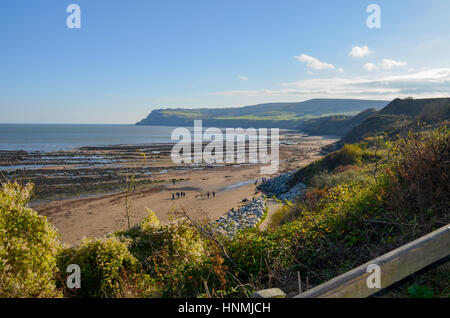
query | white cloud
[359, 52]
[426, 83]
[370, 67]
[314, 63]
[387, 64]
[243, 78]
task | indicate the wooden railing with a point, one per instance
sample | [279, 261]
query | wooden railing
[393, 267]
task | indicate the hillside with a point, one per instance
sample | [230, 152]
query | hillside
[282, 115]
[335, 125]
[401, 115]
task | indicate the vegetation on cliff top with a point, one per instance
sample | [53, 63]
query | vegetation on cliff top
[282, 115]
[399, 116]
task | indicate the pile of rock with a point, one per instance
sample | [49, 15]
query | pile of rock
[248, 216]
[279, 187]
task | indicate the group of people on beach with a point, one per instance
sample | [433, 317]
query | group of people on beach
[210, 194]
[179, 195]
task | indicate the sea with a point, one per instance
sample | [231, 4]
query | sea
[53, 137]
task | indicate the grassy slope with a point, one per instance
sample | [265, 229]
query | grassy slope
[336, 124]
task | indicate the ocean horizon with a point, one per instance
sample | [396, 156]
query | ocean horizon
[54, 137]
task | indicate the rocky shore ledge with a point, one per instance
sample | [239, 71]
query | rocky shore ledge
[279, 187]
[248, 216]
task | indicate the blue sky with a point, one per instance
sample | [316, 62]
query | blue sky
[130, 57]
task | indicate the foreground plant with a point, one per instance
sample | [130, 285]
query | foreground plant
[28, 246]
[107, 267]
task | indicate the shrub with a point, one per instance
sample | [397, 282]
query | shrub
[176, 241]
[28, 246]
[282, 215]
[341, 175]
[341, 169]
[418, 178]
[312, 198]
[348, 155]
[167, 252]
[107, 267]
[417, 291]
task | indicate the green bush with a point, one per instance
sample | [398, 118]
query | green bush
[418, 176]
[107, 267]
[168, 252]
[326, 180]
[176, 242]
[417, 291]
[281, 215]
[28, 246]
[348, 155]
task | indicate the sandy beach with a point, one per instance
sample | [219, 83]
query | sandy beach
[95, 216]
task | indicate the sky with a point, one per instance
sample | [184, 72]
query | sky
[129, 57]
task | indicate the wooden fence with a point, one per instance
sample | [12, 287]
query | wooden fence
[393, 267]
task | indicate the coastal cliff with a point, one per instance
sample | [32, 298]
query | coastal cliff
[281, 115]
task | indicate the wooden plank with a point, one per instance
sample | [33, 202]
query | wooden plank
[269, 293]
[395, 266]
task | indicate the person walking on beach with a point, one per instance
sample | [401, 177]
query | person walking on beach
[214, 194]
[208, 195]
[178, 195]
[173, 196]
